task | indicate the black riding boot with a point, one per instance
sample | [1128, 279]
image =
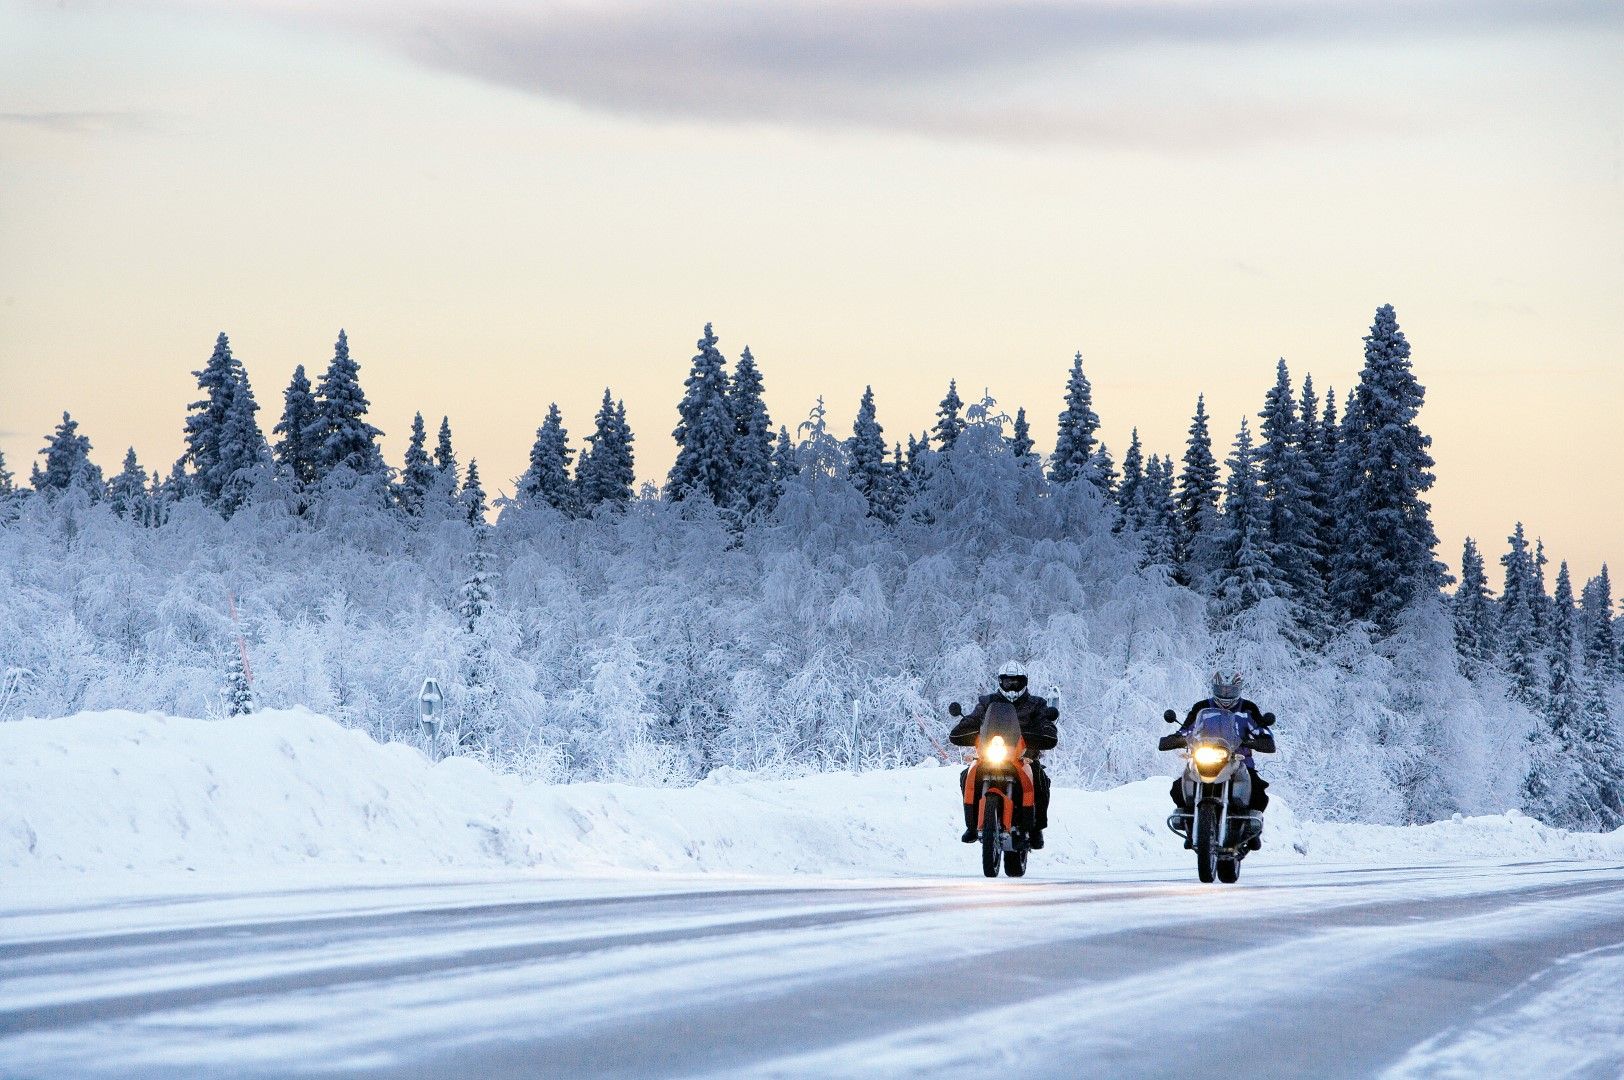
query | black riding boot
[971, 833]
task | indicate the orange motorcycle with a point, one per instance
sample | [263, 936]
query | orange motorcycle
[999, 785]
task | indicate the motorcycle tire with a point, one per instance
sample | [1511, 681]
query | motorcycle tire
[1015, 863]
[1229, 871]
[992, 823]
[1206, 842]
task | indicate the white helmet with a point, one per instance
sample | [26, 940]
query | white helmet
[1012, 680]
[1226, 690]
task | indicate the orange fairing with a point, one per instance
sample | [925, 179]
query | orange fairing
[1028, 789]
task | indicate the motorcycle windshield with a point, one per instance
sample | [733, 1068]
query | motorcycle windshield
[1001, 721]
[1218, 725]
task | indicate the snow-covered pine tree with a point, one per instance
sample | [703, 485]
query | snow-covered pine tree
[901, 480]
[1385, 559]
[949, 423]
[1244, 575]
[1562, 696]
[705, 433]
[870, 472]
[1473, 612]
[472, 498]
[127, 492]
[1288, 482]
[752, 438]
[1600, 641]
[1074, 444]
[606, 473]
[243, 455]
[206, 419]
[1541, 601]
[178, 484]
[1102, 471]
[238, 691]
[7, 481]
[1128, 492]
[1197, 497]
[476, 720]
[784, 464]
[1519, 642]
[417, 474]
[67, 463]
[1317, 462]
[294, 451]
[1598, 731]
[340, 435]
[445, 456]
[1159, 514]
[1020, 438]
[547, 480]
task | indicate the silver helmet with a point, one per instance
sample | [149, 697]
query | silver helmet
[1226, 689]
[1012, 680]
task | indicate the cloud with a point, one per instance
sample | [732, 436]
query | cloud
[77, 122]
[998, 69]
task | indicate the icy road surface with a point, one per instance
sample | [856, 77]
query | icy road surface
[1439, 971]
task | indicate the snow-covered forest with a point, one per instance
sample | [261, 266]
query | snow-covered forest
[797, 598]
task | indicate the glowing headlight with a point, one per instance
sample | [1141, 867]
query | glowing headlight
[1210, 757]
[995, 752]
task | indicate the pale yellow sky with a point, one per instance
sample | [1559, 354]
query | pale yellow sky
[509, 205]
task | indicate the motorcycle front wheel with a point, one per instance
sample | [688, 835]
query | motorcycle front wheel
[992, 823]
[1206, 843]
[1229, 871]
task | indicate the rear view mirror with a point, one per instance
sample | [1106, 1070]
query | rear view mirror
[1170, 716]
[954, 709]
[1268, 719]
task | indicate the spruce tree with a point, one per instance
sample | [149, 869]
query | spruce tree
[1244, 575]
[752, 438]
[784, 464]
[67, 462]
[294, 451]
[949, 423]
[243, 452]
[205, 423]
[1517, 636]
[417, 475]
[1288, 482]
[340, 434]
[870, 472]
[445, 457]
[472, 498]
[238, 690]
[1385, 559]
[547, 480]
[1128, 492]
[8, 485]
[1102, 472]
[1564, 692]
[127, 492]
[1074, 444]
[1197, 496]
[1159, 514]
[606, 474]
[1473, 612]
[1020, 438]
[1600, 641]
[705, 433]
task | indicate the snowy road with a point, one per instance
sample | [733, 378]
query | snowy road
[1463, 970]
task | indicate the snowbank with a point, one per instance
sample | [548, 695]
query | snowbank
[122, 791]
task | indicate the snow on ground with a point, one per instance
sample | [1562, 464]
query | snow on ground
[114, 793]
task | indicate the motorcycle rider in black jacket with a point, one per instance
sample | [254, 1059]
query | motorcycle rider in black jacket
[1037, 719]
[1226, 694]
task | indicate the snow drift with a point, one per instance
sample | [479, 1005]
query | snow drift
[120, 791]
